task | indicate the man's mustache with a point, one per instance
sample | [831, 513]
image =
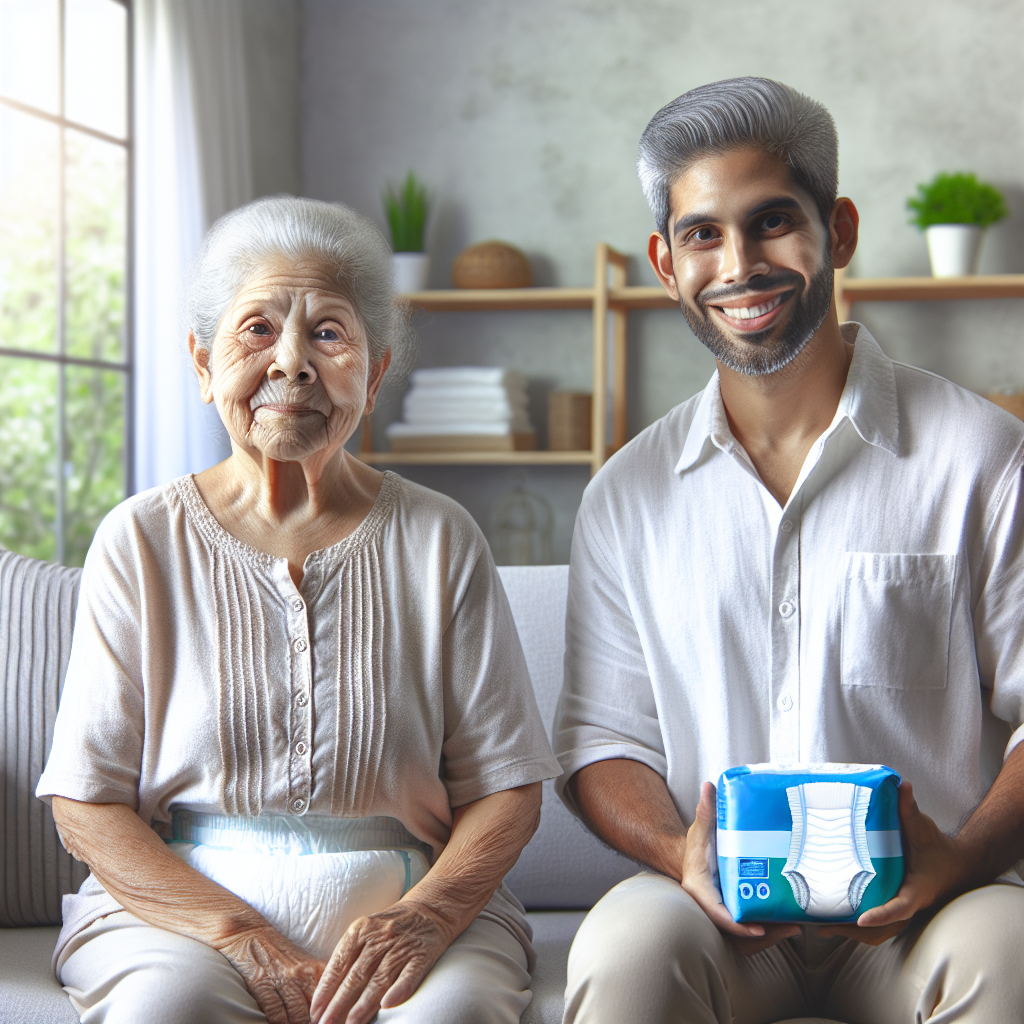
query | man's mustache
[283, 392]
[769, 282]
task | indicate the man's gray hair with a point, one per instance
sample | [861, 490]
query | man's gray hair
[301, 230]
[735, 114]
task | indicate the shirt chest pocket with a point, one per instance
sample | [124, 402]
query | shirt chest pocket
[896, 613]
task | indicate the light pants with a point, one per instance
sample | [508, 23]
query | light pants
[648, 954]
[120, 970]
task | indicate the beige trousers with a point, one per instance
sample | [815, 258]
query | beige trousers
[647, 953]
[120, 970]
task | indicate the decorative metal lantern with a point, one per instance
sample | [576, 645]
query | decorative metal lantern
[523, 525]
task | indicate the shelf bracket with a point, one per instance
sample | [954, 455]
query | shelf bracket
[842, 302]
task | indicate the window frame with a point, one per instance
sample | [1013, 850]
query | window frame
[60, 356]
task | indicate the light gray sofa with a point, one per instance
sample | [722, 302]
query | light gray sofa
[563, 871]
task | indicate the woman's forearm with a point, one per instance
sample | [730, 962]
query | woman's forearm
[487, 838]
[135, 866]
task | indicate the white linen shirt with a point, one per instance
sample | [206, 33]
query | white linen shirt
[878, 617]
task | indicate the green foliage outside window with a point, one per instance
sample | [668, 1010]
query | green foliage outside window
[93, 468]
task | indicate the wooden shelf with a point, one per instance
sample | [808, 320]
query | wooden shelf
[915, 289]
[467, 300]
[864, 289]
[536, 458]
[637, 297]
[612, 300]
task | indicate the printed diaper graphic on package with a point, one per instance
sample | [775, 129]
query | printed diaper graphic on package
[808, 842]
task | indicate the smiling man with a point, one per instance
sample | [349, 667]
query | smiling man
[818, 558]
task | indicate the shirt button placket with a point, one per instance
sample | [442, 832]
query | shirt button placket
[785, 644]
[300, 738]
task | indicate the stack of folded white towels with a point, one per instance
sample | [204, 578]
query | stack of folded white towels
[464, 408]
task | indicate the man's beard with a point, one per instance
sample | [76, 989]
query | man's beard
[762, 356]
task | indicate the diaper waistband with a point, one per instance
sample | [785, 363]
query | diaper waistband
[294, 836]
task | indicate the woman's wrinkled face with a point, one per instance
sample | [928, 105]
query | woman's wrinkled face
[290, 372]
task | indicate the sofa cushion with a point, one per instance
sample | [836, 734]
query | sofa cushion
[553, 932]
[37, 613]
[29, 993]
[564, 866]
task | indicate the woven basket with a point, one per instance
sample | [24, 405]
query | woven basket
[491, 265]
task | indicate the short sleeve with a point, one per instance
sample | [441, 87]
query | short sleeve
[494, 738]
[607, 708]
[998, 616]
[96, 754]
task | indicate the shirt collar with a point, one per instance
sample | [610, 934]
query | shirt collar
[869, 398]
[868, 401]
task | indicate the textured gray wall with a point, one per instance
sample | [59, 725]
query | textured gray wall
[523, 118]
[272, 36]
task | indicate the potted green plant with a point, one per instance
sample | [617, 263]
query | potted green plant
[406, 212]
[953, 210]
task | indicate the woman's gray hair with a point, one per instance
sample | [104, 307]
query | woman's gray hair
[734, 114]
[330, 234]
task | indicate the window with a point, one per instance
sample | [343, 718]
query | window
[65, 310]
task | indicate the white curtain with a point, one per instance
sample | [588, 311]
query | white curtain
[192, 164]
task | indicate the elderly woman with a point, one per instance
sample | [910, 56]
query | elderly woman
[297, 745]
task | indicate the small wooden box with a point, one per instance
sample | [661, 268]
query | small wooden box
[569, 421]
[1012, 402]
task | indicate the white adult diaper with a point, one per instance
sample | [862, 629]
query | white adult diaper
[299, 874]
[311, 899]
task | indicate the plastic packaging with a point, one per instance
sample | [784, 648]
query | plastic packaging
[808, 843]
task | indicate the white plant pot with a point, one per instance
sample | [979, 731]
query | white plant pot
[411, 269]
[953, 249]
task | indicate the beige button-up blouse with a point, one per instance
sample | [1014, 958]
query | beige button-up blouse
[391, 682]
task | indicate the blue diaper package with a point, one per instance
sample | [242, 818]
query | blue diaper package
[808, 842]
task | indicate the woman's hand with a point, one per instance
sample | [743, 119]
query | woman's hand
[382, 959]
[279, 975]
[379, 962]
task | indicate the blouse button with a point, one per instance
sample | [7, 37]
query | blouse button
[785, 702]
[786, 526]
[300, 645]
[300, 748]
[297, 605]
[786, 609]
[302, 700]
[298, 803]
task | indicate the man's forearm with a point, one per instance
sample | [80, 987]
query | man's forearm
[629, 806]
[993, 838]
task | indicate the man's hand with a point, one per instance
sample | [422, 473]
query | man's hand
[936, 869]
[279, 975]
[628, 805]
[379, 962]
[699, 864]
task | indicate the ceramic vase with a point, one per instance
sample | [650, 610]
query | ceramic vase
[411, 269]
[953, 249]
